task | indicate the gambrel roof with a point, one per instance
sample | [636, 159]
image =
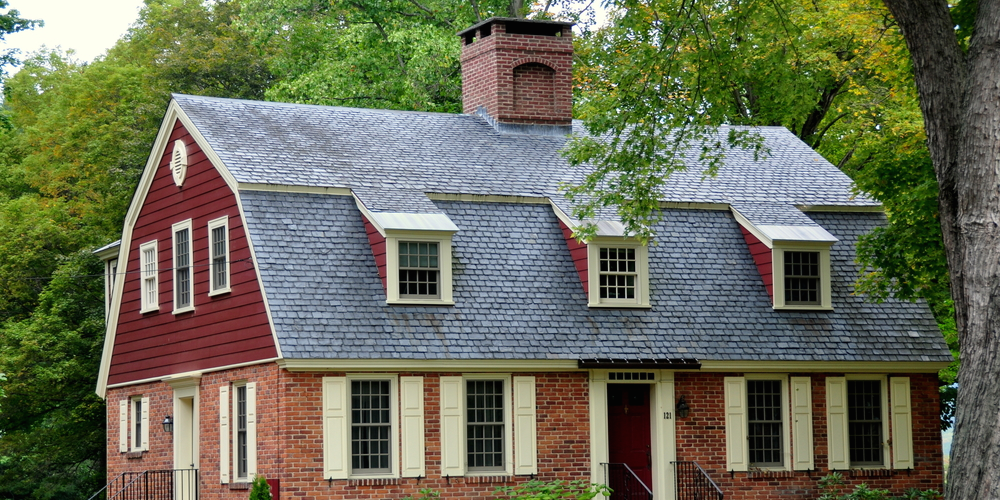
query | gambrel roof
[517, 294]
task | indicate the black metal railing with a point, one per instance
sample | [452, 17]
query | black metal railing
[624, 484]
[693, 483]
[177, 484]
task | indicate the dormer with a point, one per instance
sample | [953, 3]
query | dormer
[613, 266]
[792, 254]
[412, 250]
[109, 255]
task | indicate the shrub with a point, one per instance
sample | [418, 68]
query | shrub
[832, 486]
[260, 490]
[553, 490]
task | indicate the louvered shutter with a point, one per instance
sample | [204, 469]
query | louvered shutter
[224, 434]
[123, 425]
[525, 435]
[144, 423]
[452, 427]
[902, 423]
[251, 429]
[737, 455]
[412, 427]
[802, 424]
[335, 423]
[836, 423]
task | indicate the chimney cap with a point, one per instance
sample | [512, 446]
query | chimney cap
[514, 20]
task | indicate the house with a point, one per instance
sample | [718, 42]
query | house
[364, 303]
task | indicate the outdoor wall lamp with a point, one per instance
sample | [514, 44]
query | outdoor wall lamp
[682, 408]
[168, 424]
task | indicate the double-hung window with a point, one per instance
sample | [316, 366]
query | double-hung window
[149, 270]
[373, 426]
[133, 425]
[218, 264]
[418, 267]
[763, 413]
[801, 276]
[485, 425]
[860, 422]
[183, 272]
[238, 432]
[419, 270]
[617, 273]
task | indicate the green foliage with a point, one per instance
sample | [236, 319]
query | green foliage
[425, 494]
[12, 22]
[52, 423]
[832, 488]
[552, 490]
[260, 489]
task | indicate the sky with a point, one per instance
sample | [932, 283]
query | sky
[88, 27]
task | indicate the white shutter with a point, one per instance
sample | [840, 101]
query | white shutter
[335, 443]
[802, 423]
[525, 435]
[902, 423]
[251, 429]
[224, 434]
[123, 425]
[452, 427]
[836, 423]
[737, 455]
[145, 424]
[412, 418]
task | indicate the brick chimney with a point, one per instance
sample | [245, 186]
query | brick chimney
[517, 73]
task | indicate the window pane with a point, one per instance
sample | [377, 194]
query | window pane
[802, 278]
[864, 416]
[764, 422]
[219, 257]
[182, 271]
[617, 273]
[485, 425]
[419, 273]
[370, 426]
[241, 431]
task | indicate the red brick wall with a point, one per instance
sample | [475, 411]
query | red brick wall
[290, 436]
[488, 76]
[701, 438]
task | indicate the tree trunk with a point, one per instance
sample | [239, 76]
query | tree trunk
[960, 100]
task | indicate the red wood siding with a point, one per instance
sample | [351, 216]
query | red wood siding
[222, 330]
[762, 257]
[378, 249]
[578, 251]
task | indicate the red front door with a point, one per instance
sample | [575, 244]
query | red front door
[628, 429]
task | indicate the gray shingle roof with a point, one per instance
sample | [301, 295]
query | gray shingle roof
[517, 293]
[518, 296]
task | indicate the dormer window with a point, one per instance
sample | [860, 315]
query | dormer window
[419, 270]
[618, 270]
[802, 278]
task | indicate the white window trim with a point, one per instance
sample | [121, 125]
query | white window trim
[593, 269]
[337, 426]
[845, 433]
[177, 227]
[146, 278]
[232, 410]
[213, 224]
[778, 274]
[443, 239]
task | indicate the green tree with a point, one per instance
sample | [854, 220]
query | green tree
[12, 22]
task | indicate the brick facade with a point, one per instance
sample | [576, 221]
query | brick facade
[701, 438]
[518, 78]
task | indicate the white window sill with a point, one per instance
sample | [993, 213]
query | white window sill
[183, 310]
[150, 310]
[803, 307]
[421, 302]
[619, 305]
[219, 291]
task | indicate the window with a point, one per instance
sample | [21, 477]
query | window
[617, 273]
[859, 423]
[761, 411]
[484, 418]
[484, 409]
[801, 276]
[419, 273]
[765, 422]
[864, 421]
[418, 268]
[148, 266]
[183, 279]
[371, 426]
[238, 431]
[133, 425]
[218, 243]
